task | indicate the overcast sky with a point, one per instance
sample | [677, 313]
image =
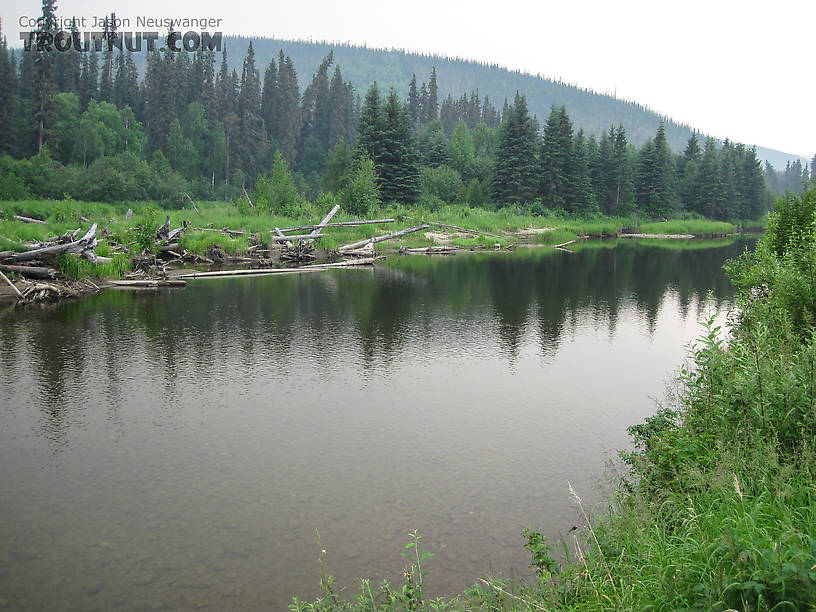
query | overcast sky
[738, 69]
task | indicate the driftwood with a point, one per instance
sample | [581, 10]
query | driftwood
[432, 250]
[563, 244]
[462, 229]
[246, 195]
[164, 230]
[251, 272]
[316, 231]
[336, 224]
[280, 235]
[223, 230]
[195, 208]
[12, 285]
[29, 220]
[365, 251]
[283, 238]
[87, 242]
[342, 264]
[302, 250]
[129, 214]
[376, 239]
[40, 292]
[149, 283]
[30, 271]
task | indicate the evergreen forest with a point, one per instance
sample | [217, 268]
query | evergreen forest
[92, 126]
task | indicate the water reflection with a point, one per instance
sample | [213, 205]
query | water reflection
[185, 444]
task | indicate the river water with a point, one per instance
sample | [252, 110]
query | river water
[178, 449]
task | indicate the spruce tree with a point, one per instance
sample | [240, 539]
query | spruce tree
[400, 166]
[315, 109]
[371, 126]
[341, 102]
[687, 168]
[44, 84]
[556, 157]
[89, 78]
[251, 133]
[109, 36]
[224, 90]
[515, 175]
[285, 119]
[126, 84]
[447, 115]
[8, 98]
[432, 107]
[580, 195]
[68, 66]
[710, 194]
[270, 82]
[655, 189]
[413, 101]
[423, 104]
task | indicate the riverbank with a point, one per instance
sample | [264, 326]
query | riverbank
[718, 510]
[224, 235]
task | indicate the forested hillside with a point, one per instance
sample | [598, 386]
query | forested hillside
[590, 111]
[220, 125]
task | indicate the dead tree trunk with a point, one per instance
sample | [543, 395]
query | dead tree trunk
[376, 239]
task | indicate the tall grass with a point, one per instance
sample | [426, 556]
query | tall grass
[697, 227]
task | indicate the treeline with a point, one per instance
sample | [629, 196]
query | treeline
[793, 178]
[85, 125]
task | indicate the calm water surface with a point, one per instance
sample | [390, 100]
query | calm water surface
[177, 450]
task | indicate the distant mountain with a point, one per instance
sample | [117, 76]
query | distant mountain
[361, 65]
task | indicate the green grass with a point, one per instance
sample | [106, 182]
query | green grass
[499, 225]
[74, 267]
[201, 242]
[696, 227]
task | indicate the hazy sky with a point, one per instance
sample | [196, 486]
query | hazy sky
[738, 69]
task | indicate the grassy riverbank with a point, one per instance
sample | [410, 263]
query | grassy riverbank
[505, 226]
[719, 509]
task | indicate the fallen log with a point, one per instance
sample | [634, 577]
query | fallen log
[337, 224]
[252, 272]
[462, 229]
[365, 251]
[563, 244]
[174, 234]
[246, 195]
[283, 238]
[224, 230]
[30, 271]
[164, 230]
[86, 242]
[195, 208]
[432, 250]
[12, 285]
[342, 264]
[376, 239]
[279, 233]
[29, 220]
[315, 233]
[149, 283]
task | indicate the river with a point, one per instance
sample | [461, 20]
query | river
[178, 449]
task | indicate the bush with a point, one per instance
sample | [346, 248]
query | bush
[442, 182]
[361, 194]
